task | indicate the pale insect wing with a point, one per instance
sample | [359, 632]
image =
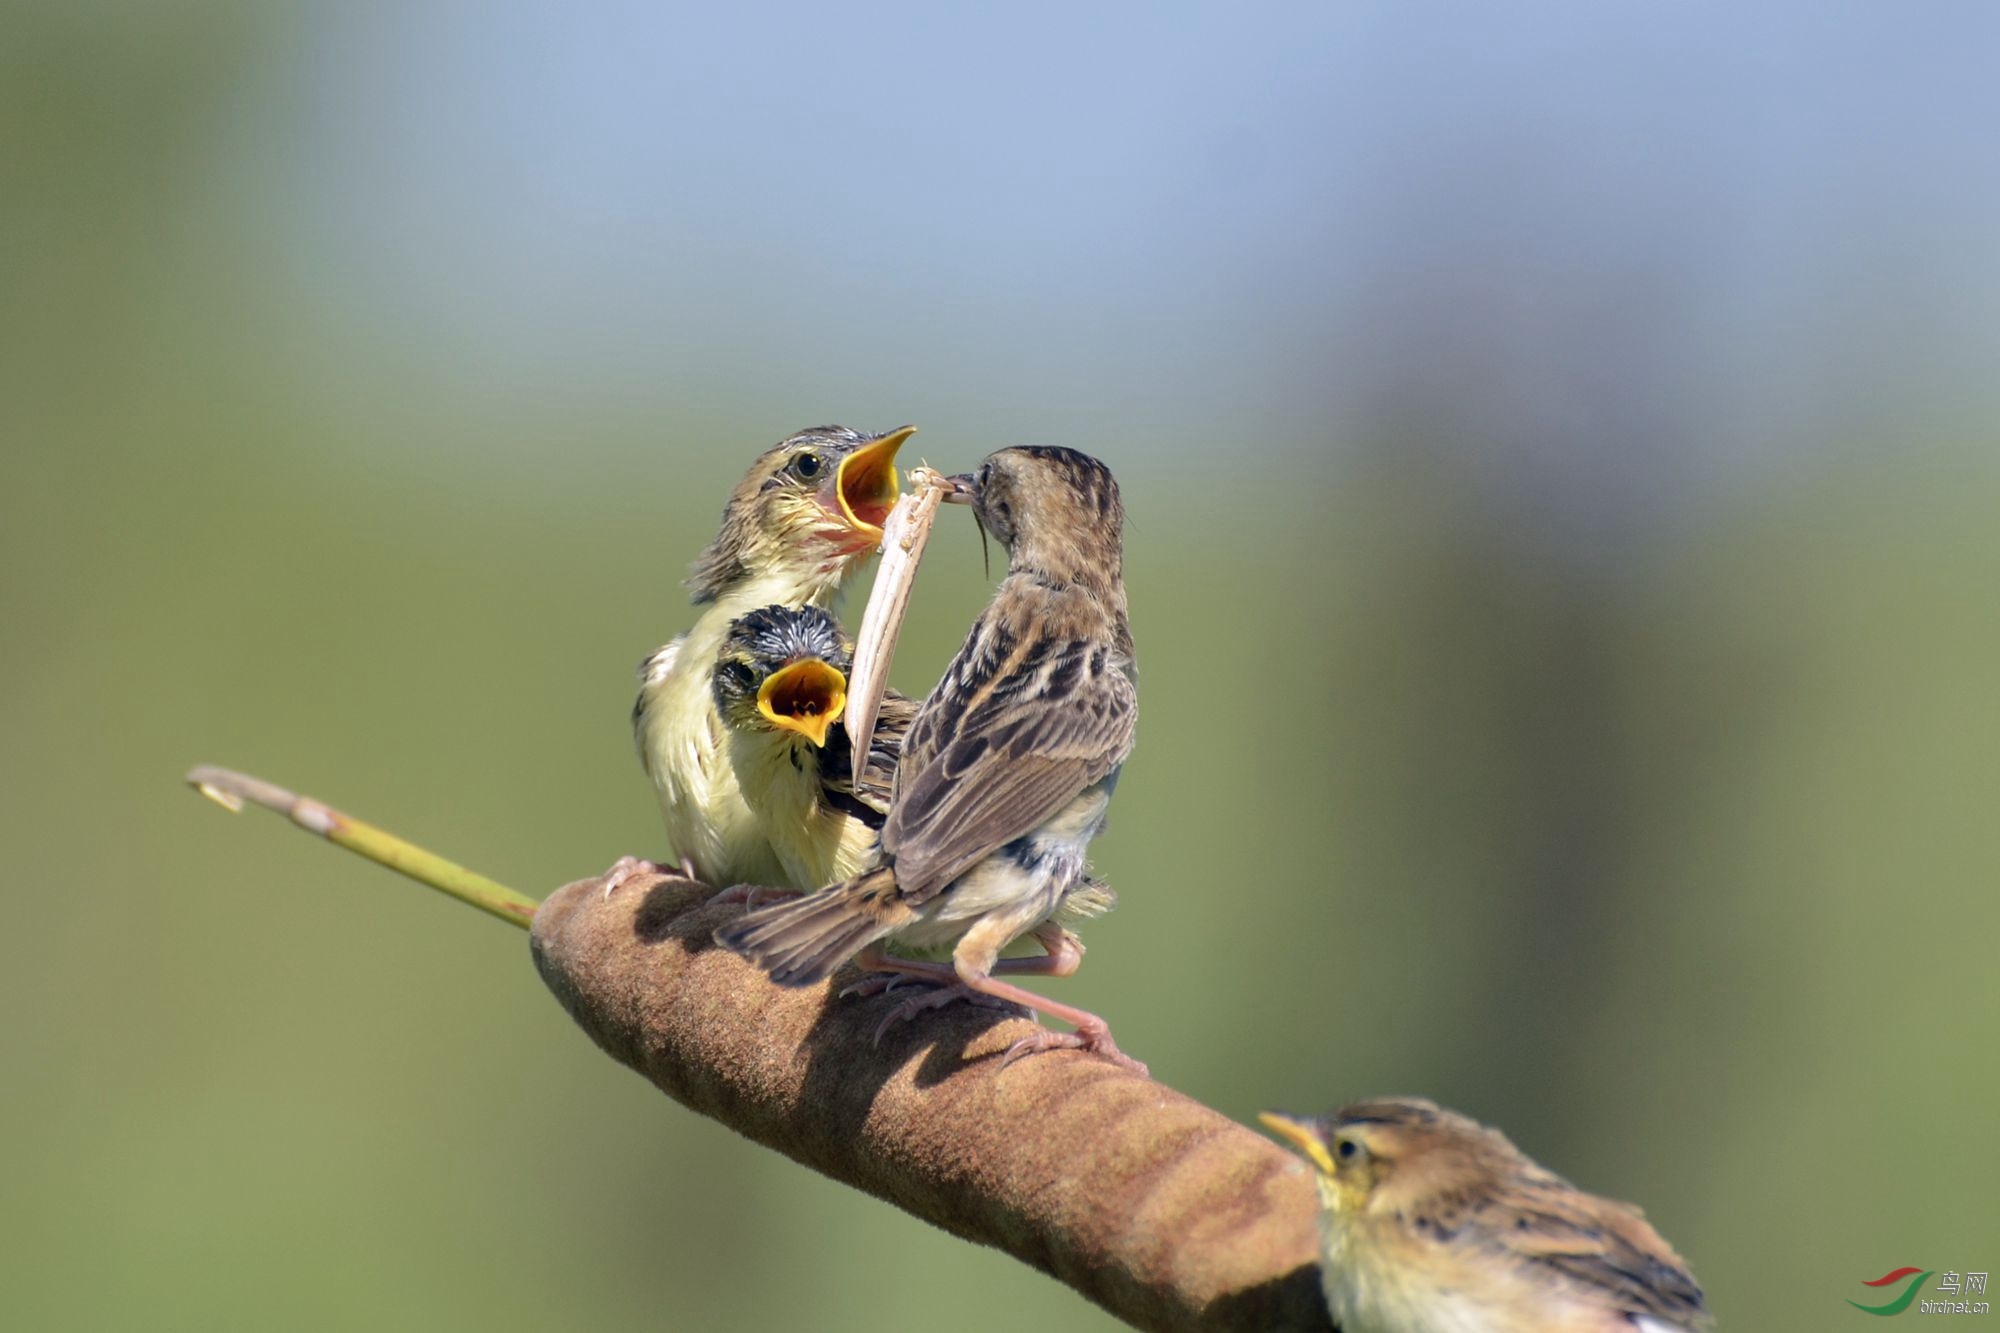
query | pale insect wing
[904, 535]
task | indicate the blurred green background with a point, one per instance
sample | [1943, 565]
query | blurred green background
[1560, 451]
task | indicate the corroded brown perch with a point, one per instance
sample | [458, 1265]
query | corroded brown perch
[1160, 1210]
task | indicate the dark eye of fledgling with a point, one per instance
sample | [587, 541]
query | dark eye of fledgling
[807, 466]
[1345, 1149]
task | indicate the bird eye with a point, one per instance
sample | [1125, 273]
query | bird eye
[1345, 1150]
[807, 466]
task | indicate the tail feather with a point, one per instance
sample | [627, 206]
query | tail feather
[801, 942]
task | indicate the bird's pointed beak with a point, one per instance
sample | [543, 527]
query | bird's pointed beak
[865, 485]
[807, 696]
[1301, 1134]
[964, 489]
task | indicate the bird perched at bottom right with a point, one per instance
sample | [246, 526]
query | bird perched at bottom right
[1006, 771]
[1433, 1223]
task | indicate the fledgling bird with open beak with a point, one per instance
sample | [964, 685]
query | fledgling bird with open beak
[799, 527]
[780, 685]
[1433, 1223]
[1005, 774]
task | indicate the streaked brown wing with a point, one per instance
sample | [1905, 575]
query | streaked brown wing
[870, 801]
[871, 795]
[892, 728]
[1014, 732]
[1616, 1254]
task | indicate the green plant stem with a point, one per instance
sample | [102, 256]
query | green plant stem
[232, 790]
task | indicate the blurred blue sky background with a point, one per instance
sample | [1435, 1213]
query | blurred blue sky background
[1560, 445]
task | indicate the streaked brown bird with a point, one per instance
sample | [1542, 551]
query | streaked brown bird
[1006, 772]
[1433, 1223]
[799, 527]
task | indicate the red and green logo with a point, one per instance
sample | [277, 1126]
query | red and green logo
[1915, 1284]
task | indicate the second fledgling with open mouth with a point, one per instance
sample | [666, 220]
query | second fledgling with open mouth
[1006, 772]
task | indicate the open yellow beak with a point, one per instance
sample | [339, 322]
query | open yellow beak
[807, 697]
[866, 485]
[1301, 1134]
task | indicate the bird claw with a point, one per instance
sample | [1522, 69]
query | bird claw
[628, 868]
[938, 999]
[880, 983]
[1097, 1043]
[751, 895]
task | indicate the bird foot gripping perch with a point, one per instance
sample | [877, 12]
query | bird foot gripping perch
[751, 896]
[937, 997]
[628, 868]
[1095, 1042]
[1092, 1033]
